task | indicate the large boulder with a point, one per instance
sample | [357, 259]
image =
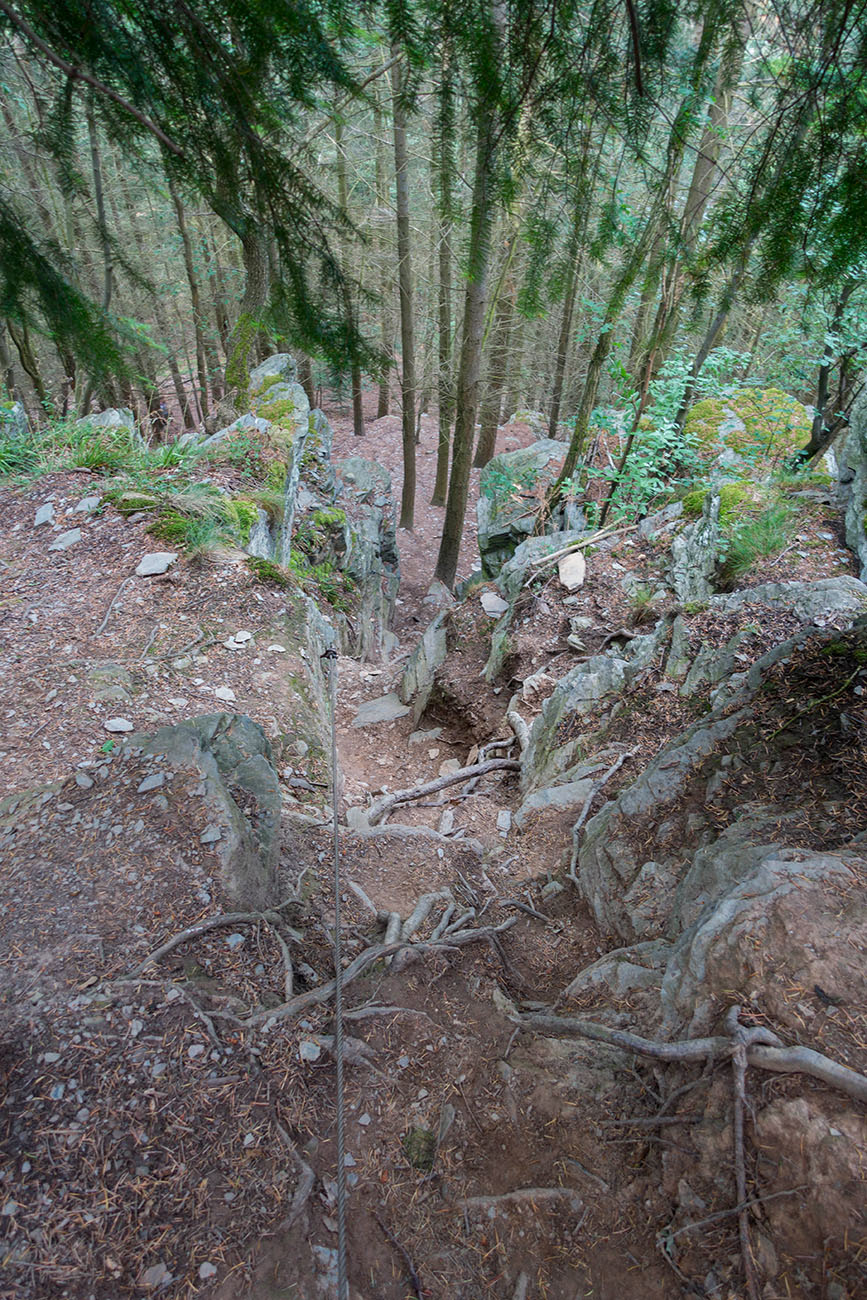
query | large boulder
[371, 559]
[694, 554]
[507, 511]
[113, 418]
[13, 421]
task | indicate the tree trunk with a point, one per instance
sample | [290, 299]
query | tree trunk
[7, 373]
[351, 319]
[243, 339]
[492, 401]
[305, 378]
[195, 297]
[407, 329]
[385, 281]
[569, 293]
[30, 366]
[445, 141]
[467, 394]
[102, 228]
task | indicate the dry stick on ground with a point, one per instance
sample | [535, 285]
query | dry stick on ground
[390, 1237]
[273, 921]
[670, 1233]
[117, 595]
[380, 807]
[603, 533]
[775, 1057]
[594, 790]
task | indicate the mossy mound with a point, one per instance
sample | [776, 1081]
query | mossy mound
[731, 495]
[756, 423]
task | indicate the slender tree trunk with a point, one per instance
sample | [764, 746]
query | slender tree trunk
[492, 401]
[820, 435]
[305, 378]
[195, 296]
[407, 327]
[445, 170]
[351, 320]
[385, 279]
[21, 338]
[570, 291]
[467, 394]
[102, 228]
[7, 372]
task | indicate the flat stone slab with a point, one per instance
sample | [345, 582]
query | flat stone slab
[572, 570]
[44, 515]
[572, 794]
[87, 505]
[386, 709]
[493, 604]
[65, 540]
[155, 562]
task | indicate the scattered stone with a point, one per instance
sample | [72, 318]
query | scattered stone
[504, 821]
[449, 766]
[447, 822]
[309, 1050]
[65, 540]
[155, 562]
[226, 694]
[493, 604]
[87, 505]
[207, 1270]
[572, 570]
[235, 941]
[276, 649]
[152, 782]
[83, 780]
[211, 834]
[44, 515]
[197, 1049]
[419, 737]
[364, 1120]
[156, 1275]
[385, 709]
[551, 890]
[118, 724]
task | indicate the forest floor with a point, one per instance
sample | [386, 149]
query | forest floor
[150, 1145]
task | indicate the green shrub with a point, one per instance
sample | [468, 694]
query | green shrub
[754, 537]
[267, 572]
[242, 514]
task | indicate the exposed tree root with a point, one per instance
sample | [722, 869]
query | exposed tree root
[381, 807]
[210, 923]
[596, 787]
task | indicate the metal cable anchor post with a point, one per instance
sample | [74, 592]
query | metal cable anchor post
[342, 1287]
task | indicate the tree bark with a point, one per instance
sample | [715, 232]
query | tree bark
[467, 394]
[492, 401]
[351, 321]
[407, 328]
[445, 141]
[242, 342]
[569, 293]
[195, 297]
[385, 281]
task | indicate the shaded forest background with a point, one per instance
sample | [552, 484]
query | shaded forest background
[479, 208]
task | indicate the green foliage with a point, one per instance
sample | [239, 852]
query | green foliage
[755, 537]
[267, 572]
[329, 518]
[774, 424]
[731, 495]
[243, 514]
[322, 581]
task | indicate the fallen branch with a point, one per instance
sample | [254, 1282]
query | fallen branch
[591, 540]
[530, 911]
[390, 1237]
[739, 1076]
[380, 807]
[288, 975]
[117, 595]
[670, 1234]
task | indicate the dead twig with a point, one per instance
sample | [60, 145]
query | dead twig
[739, 1075]
[408, 1264]
[380, 807]
[117, 595]
[306, 1181]
[530, 911]
[273, 921]
[736, 1209]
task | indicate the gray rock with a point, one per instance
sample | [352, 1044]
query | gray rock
[572, 794]
[13, 421]
[280, 366]
[493, 604]
[660, 522]
[155, 562]
[418, 676]
[694, 554]
[504, 821]
[244, 422]
[572, 570]
[65, 540]
[385, 709]
[118, 725]
[503, 515]
[231, 756]
[152, 782]
[87, 505]
[110, 682]
[83, 780]
[113, 418]
[809, 600]
[44, 515]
